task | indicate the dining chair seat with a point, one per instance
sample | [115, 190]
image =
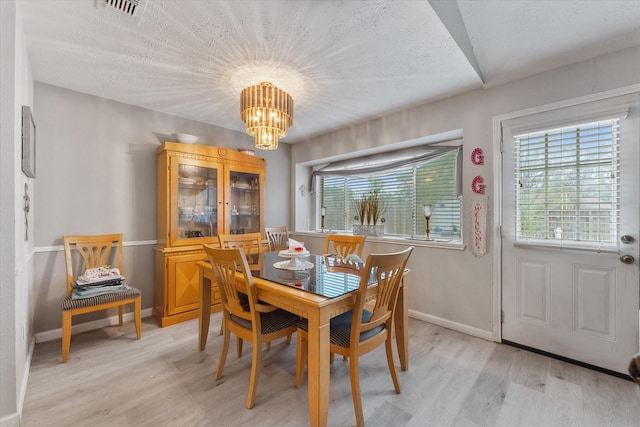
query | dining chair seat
[68, 303]
[270, 322]
[340, 334]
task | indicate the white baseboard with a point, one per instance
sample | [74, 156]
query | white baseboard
[25, 377]
[113, 320]
[11, 420]
[465, 329]
[55, 334]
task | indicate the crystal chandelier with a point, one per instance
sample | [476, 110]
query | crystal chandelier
[267, 112]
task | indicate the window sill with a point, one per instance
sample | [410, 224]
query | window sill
[454, 245]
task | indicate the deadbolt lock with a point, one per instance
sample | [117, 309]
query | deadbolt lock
[626, 239]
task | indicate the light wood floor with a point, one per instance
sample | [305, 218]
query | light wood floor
[453, 380]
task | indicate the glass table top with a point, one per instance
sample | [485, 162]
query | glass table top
[317, 280]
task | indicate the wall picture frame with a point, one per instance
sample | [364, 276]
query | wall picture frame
[28, 142]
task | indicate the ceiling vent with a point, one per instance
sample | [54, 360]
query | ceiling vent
[125, 6]
[128, 9]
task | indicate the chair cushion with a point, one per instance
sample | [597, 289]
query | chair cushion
[341, 328]
[271, 322]
[71, 304]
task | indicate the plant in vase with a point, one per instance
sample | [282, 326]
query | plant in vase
[369, 208]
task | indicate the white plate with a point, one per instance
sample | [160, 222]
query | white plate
[298, 265]
[287, 254]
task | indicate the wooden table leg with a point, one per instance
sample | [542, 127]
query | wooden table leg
[318, 371]
[204, 313]
[401, 321]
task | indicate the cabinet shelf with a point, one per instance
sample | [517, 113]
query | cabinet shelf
[195, 187]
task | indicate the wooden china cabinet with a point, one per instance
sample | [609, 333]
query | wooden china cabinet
[202, 191]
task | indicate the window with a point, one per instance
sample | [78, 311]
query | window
[567, 183]
[403, 190]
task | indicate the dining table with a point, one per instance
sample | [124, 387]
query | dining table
[310, 287]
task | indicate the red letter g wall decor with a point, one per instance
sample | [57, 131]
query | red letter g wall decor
[477, 158]
[479, 205]
[477, 185]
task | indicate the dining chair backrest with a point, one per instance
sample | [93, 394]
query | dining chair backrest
[343, 245]
[226, 263]
[388, 270]
[251, 243]
[278, 237]
[94, 251]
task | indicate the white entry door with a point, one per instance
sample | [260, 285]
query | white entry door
[567, 230]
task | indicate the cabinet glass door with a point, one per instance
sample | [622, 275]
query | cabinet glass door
[244, 202]
[198, 195]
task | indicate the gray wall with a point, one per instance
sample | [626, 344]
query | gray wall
[16, 253]
[447, 287]
[97, 174]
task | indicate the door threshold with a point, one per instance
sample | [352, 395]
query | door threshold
[572, 361]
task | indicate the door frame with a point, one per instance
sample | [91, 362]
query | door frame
[498, 177]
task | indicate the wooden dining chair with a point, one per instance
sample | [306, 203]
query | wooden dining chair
[359, 331]
[278, 237]
[252, 244]
[260, 323]
[86, 252]
[343, 245]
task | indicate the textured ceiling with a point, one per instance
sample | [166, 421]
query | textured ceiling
[342, 61]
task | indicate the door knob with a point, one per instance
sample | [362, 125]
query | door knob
[626, 239]
[627, 259]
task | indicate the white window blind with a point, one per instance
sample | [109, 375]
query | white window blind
[567, 184]
[403, 191]
[436, 186]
